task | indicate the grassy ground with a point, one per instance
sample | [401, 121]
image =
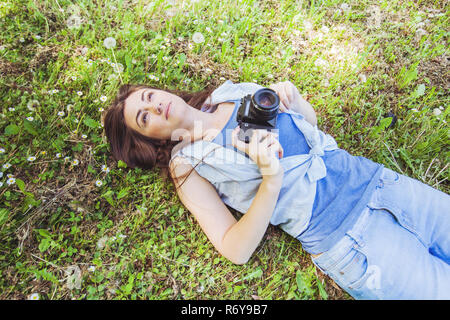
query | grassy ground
[76, 225]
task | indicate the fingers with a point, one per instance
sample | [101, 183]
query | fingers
[283, 90]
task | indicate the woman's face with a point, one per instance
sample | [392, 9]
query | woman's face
[154, 113]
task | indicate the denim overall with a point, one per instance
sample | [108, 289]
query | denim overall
[397, 246]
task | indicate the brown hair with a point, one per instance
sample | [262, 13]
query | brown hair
[135, 149]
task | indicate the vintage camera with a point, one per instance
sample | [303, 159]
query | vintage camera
[257, 112]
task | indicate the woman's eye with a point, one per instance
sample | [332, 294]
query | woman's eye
[150, 95]
[144, 117]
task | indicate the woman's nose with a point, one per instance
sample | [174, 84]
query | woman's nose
[159, 109]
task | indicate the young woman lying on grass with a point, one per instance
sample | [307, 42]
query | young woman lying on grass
[377, 233]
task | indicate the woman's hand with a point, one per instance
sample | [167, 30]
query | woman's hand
[286, 91]
[261, 149]
[291, 99]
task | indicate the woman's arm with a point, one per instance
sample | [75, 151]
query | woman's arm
[235, 240]
[292, 99]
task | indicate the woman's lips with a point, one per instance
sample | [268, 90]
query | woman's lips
[167, 111]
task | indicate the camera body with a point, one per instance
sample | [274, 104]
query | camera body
[257, 112]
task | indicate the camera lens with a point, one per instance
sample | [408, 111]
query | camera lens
[266, 103]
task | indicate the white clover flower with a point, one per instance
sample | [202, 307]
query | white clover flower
[79, 93]
[58, 155]
[200, 289]
[75, 162]
[325, 29]
[208, 29]
[6, 165]
[33, 296]
[10, 181]
[109, 42]
[101, 109]
[105, 168]
[190, 46]
[66, 158]
[75, 120]
[103, 98]
[197, 37]
[2, 150]
[73, 78]
[12, 109]
[196, 21]
[90, 62]
[61, 113]
[345, 7]
[31, 158]
[437, 112]
[30, 118]
[308, 25]
[22, 40]
[165, 58]
[84, 136]
[320, 63]
[9, 175]
[362, 77]
[91, 269]
[73, 22]
[102, 242]
[32, 104]
[37, 37]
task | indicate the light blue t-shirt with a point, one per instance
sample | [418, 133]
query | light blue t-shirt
[341, 195]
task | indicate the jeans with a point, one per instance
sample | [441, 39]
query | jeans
[399, 248]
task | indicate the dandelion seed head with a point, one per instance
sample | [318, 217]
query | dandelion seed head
[73, 22]
[109, 43]
[198, 37]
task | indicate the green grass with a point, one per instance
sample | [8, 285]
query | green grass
[131, 238]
